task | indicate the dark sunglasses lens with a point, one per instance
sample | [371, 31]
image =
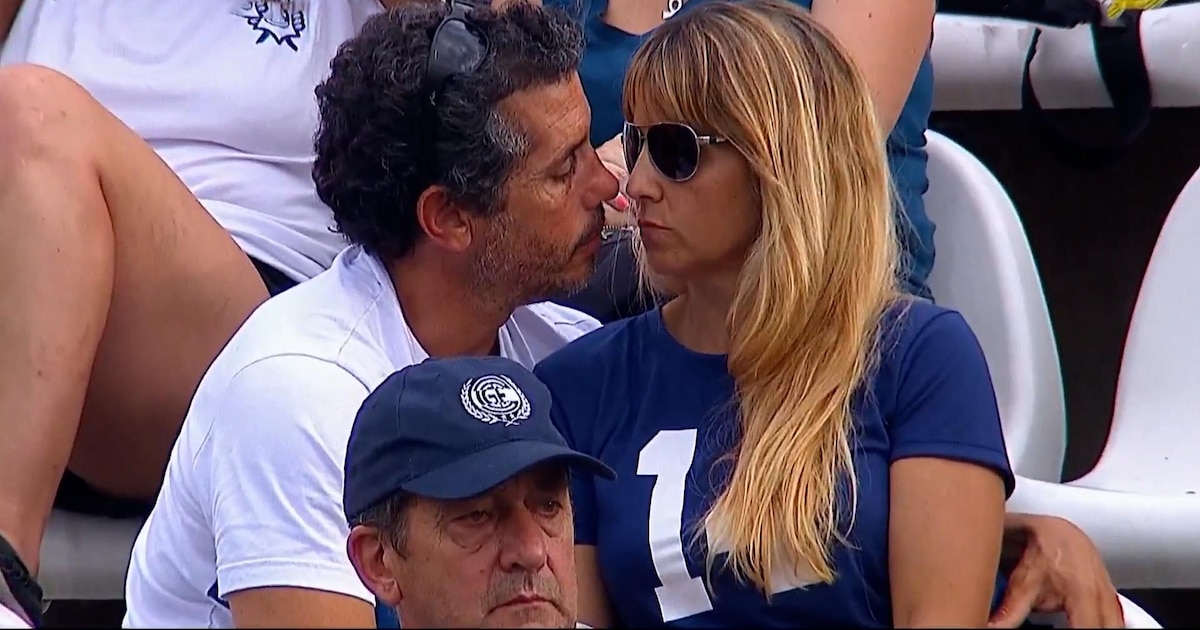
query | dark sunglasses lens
[674, 150]
[631, 142]
[455, 51]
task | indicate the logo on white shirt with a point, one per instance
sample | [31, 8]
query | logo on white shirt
[280, 20]
[673, 7]
[495, 399]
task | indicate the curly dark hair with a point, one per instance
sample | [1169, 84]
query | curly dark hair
[375, 153]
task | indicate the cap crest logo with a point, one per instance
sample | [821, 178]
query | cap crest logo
[495, 399]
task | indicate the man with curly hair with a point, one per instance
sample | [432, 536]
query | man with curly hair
[453, 150]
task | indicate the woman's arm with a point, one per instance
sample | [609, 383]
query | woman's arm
[887, 39]
[594, 608]
[946, 526]
[949, 477]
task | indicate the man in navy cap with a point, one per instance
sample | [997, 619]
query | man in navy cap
[456, 492]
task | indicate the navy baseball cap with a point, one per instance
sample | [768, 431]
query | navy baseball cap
[452, 429]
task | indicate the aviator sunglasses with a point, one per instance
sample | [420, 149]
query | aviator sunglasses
[456, 49]
[674, 148]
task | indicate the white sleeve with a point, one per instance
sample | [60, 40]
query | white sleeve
[10, 619]
[278, 451]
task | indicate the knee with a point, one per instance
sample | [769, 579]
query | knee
[42, 112]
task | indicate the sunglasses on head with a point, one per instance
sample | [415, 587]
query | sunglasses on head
[674, 148]
[454, 50]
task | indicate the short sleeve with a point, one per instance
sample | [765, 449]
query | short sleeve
[570, 402]
[945, 403]
[279, 446]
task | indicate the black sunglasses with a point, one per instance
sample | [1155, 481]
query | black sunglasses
[456, 49]
[674, 148]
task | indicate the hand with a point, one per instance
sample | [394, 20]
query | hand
[612, 155]
[1059, 570]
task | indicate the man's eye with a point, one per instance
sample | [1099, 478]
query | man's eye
[551, 507]
[569, 169]
[477, 517]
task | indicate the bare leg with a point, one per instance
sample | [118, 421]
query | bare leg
[117, 289]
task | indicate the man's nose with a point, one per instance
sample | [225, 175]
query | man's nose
[523, 542]
[609, 187]
[604, 183]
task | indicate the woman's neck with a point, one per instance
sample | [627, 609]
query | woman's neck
[636, 17]
[698, 318]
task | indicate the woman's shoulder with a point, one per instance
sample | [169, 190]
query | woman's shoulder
[913, 316]
[609, 345]
[914, 327]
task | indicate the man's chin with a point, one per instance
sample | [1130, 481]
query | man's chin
[574, 279]
[573, 285]
[540, 615]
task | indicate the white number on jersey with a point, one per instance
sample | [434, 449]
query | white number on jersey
[668, 457]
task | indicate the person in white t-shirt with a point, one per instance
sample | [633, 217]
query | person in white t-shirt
[469, 190]
[10, 619]
[155, 187]
[12, 614]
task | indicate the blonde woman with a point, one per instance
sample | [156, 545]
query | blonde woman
[797, 443]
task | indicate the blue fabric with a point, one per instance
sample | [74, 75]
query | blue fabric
[385, 617]
[659, 414]
[602, 72]
[451, 429]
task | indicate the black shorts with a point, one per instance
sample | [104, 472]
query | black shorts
[75, 495]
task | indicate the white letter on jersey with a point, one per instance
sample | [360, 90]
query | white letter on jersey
[668, 457]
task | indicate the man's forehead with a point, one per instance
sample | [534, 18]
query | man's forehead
[554, 115]
[547, 476]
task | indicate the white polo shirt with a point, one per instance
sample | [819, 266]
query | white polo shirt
[10, 619]
[253, 490]
[222, 90]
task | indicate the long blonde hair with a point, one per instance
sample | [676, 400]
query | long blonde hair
[805, 320]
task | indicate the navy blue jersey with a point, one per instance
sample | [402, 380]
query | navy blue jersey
[662, 415]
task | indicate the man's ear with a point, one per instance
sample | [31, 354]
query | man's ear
[446, 222]
[367, 551]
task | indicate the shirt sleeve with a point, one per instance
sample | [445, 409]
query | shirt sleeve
[945, 403]
[568, 402]
[279, 447]
[10, 619]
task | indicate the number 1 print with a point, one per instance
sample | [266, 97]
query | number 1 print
[668, 457]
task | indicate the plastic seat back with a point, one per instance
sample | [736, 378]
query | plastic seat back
[1154, 442]
[985, 270]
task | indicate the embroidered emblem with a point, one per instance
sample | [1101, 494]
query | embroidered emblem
[495, 399]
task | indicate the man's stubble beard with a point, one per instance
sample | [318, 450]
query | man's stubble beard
[514, 270]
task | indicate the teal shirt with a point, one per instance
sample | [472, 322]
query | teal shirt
[602, 72]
